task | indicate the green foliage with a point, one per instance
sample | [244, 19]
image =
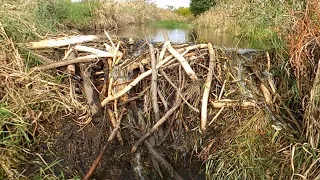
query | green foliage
[50, 14]
[259, 22]
[183, 11]
[171, 24]
[200, 6]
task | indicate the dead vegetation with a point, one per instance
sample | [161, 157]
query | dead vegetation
[104, 80]
[64, 106]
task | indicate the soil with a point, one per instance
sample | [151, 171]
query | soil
[75, 148]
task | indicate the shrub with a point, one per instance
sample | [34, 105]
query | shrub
[200, 6]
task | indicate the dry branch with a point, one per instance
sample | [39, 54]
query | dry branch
[43, 58]
[59, 42]
[163, 100]
[83, 59]
[183, 62]
[178, 91]
[154, 86]
[71, 68]
[158, 157]
[114, 124]
[94, 51]
[232, 103]
[207, 87]
[91, 94]
[155, 127]
[163, 51]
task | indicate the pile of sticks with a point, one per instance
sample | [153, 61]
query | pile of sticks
[169, 77]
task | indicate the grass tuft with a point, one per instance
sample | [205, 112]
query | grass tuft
[254, 153]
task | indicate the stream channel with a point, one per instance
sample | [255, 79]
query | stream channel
[182, 35]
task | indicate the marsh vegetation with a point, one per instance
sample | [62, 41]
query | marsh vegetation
[266, 128]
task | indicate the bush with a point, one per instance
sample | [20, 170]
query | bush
[200, 6]
[183, 11]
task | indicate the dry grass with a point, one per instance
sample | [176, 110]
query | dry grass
[117, 14]
[27, 101]
[256, 151]
[304, 47]
[219, 17]
[256, 22]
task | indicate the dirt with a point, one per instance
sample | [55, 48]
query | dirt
[77, 147]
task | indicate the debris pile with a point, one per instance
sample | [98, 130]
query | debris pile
[163, 94]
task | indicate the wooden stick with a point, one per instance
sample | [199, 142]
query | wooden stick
[216, 116]
[103, 150]
[116, 54]
[54, 65]
[157, 156]
[94, 51]
[207, 87]
[108, 36]
[232, 103]
[163, 100]
[178, 91]
[70, 54]
[183, 62]
[153, 89]
[155, 127]
[59, 42]
[114, 124]
[163, 51]
[91, 94]
[43, 58]
[222, 89]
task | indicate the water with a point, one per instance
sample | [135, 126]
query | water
[181, 35]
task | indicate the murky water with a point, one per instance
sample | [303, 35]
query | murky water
[180, 35]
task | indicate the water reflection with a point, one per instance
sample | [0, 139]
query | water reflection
[178, 35]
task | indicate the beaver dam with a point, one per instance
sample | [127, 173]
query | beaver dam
[129, 109]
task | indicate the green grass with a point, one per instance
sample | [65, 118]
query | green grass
[252, 154]
[171, 24]
[50, 14]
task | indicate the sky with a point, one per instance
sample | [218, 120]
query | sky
[174, 3]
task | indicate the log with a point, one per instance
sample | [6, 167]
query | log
[83, 59]
[94, 51]
[154, 86]
[207, 87]
[59, 42]
[91, 94]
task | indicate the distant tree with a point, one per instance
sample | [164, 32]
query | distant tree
[199, 6]
[183, 11]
